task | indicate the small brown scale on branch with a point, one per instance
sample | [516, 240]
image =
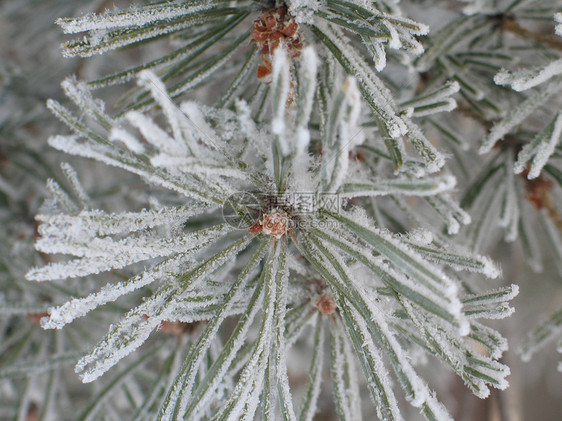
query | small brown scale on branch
[269, 32]
[276, 217]
[275, 223]
[33, 412]
[326, 304]
[322, 298]
[354, 155]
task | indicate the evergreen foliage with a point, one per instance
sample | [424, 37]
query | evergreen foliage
[279, 209]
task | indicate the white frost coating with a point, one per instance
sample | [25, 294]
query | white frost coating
[72, 177]
[344, 134]
[353, 98]
[199, 352]
[453, 225]
[89, 223]
[413, 27]
[451, 212]
[64, 202]
[249, 128]
[280, 93]
[528, 78]
[491, 269]
[431, 156]
[309, 67]
[497, 372]
[182, 128]
[460, 259]
[431, 99]
[77, 241]
[529, 150]
[377, 95]
[493, 304]
[137, 16]
[73, 146]
[303, 10]
[413, 187]
[409, 43]
[439, 411]
[79, 93]
[345, 382]
[372, 353]
[418, 390]
[118, 134]
[131, 332]
[250, 382]
[78, 307]
[558, 29]
[408, 260]
[394, 41]
[135, 327]
[246, 412]
[420, 236]
[450, 88]
[400, 281]
[103, 254]
[195, 311]
[379, 56]
[495, 343]
[307, 89]
[457, 351]
[316, 371]
[545, 149]
[501, 312]
[280, 342]
[155, 135]
[185, 393]
[190, 165]
[338, 363]
[100, 41]
[518, 114]
[202, 130]
[302, 136]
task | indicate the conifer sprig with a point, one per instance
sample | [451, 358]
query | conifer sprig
[302, 220]
[186, 264]
[343, 28]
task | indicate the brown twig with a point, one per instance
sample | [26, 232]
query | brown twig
[550, 40]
